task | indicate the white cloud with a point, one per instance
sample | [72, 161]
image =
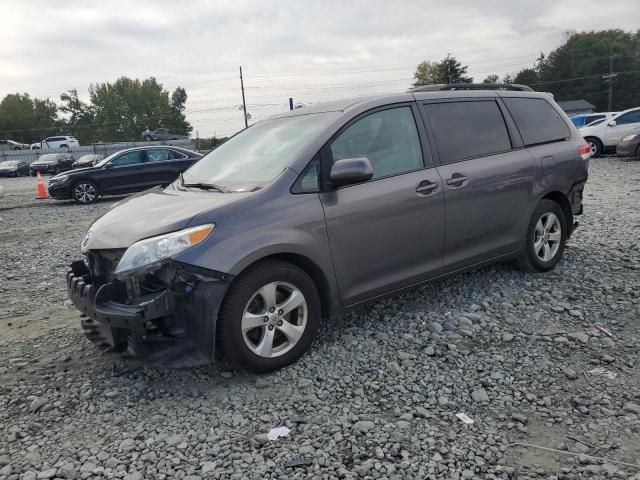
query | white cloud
[328, 48]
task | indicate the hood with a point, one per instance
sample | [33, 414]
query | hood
[152, 213]
[8, 167]
[44, 162]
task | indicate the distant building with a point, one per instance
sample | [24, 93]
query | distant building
[577, 107]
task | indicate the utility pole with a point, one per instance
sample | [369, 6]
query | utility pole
[610, 79]
[244, 103]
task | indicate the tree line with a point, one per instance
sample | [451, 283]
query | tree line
[572, 71]
[118, 111]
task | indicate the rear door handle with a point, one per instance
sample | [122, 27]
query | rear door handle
[457, 180]
[426, 187]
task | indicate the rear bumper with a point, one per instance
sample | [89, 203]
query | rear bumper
[166, 327]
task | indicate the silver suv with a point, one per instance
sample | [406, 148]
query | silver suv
[316, 211]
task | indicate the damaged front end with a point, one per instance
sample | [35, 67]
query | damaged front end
[166, 315]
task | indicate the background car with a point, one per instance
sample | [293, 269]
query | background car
[127, 171]
[56, 142]
[588, 118]
[14, 168]
[605, 136]
[12, 145]
[88, 160]
[51, 163]
[629, 146]
[161, 134]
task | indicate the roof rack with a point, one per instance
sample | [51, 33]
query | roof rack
[473, 86]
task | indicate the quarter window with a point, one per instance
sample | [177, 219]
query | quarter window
[537, 121]
[631, 117]
[466, 130]
[161, 155]
[388, 138]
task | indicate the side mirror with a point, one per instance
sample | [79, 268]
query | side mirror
[108, 166]
[612, 123]
[351, 170]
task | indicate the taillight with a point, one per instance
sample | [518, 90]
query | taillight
[584, 151]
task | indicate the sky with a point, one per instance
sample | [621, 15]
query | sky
[310, 50]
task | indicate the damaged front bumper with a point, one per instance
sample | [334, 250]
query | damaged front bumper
[166, 317]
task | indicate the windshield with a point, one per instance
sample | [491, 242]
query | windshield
[49, 157]
[260, 153]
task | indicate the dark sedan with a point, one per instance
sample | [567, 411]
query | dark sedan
[14, 168]
[127, 171]
[51, 163]
[629, 146]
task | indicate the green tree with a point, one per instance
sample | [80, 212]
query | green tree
[25, 119]
[448, 70]
[81, 117]
[178, 105]
[574, 70]
[453, 71]
[493, 78]
[427, 73]
[123, 109]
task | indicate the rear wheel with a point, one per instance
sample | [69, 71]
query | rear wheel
[269, 317]
[546, 238]
[85, 192]
[595, 145]
[148, 138]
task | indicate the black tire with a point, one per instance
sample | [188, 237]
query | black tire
[17, 148]
[230, 339]
[638, 152]
[91, 192]
[148, 138]
[530, 259]
[56, 170]
[63, 146]
[595, 145]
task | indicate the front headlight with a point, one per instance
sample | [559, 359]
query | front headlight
[628, 138]
[149, 252]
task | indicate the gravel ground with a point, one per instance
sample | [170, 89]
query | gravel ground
[376, 397]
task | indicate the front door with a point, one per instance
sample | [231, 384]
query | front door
[126, 173]
[488, 184]
[386, 233]
[626, 124]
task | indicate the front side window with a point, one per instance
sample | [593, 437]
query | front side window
[130, 158]
[465, 130]
[260, 153]
[388, 138]
[537, 121]
[631, 117]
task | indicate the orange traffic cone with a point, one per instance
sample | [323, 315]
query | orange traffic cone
[41, 193]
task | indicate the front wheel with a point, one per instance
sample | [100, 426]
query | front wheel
[269, 317]
[546, 238]
[85, 192]
[148, 138]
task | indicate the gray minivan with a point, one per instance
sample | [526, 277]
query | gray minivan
[315, 211]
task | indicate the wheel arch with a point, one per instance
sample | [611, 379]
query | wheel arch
[312, 269]
[562, 200]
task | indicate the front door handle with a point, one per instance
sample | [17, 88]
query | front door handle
[457, 180]
[426, 187]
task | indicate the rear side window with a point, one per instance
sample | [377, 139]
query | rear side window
[161, 155]
[388, 138]
[537, 120]
[466, 130]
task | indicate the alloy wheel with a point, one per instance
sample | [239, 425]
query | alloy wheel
[547, 237]
[274, 319]
[593, 147]
[84, 193]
